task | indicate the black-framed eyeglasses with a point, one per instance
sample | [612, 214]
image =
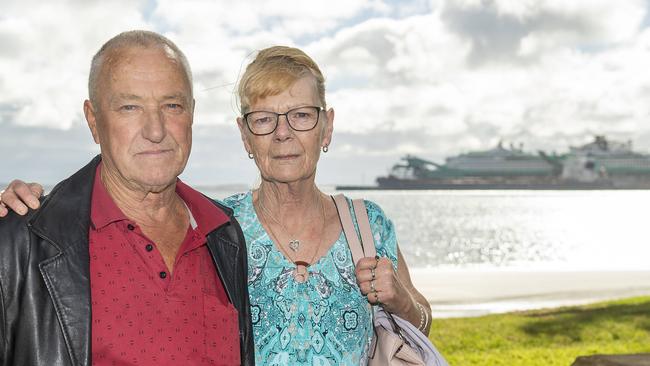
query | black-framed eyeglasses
[300, 119]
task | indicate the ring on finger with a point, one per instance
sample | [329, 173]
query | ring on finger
[372, 273]
[372, 286]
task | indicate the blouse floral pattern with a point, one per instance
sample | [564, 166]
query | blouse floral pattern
[323, 321]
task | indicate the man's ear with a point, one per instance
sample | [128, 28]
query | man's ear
[91, 119]
[192, 110]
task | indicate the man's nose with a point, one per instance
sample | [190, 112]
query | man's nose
[154, 126]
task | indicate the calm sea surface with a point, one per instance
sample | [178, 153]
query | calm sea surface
[520, 229]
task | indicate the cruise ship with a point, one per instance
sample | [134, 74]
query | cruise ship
[601, 164]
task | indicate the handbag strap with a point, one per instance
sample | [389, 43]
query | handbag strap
[367, 240]
[343, 209]
[359, 248]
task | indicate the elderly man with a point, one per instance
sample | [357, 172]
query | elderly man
[123, 263]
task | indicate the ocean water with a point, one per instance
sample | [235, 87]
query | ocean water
[591, 230]
[583, 230]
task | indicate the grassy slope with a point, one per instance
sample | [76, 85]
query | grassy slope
[545, 337]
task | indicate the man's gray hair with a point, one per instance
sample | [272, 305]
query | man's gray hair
[134, 38]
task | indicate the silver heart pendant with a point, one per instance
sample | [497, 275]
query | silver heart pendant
[294, 244]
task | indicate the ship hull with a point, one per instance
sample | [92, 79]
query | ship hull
[392, 183]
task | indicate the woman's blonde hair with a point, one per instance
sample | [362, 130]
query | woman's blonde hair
[273, 71]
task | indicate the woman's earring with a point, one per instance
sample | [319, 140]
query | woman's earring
[250, 155]
[326, 149]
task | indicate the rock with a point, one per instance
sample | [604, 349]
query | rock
[641, 359]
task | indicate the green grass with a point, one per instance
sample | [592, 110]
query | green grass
[545, 337]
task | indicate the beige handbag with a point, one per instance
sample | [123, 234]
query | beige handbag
[396, 341]
[390, 346]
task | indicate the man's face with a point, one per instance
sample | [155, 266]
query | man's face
[143, 118]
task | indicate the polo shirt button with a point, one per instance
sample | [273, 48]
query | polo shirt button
[148, 247]
[163, 274]
[130, 227]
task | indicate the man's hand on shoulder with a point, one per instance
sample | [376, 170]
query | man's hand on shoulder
[19, 196]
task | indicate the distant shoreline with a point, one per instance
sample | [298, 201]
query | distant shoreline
[492, 187]
[466, 293]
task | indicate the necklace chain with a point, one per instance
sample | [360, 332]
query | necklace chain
[294, 241]
[294, 244]
[300, 272]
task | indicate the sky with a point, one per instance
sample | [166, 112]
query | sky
[432, 78]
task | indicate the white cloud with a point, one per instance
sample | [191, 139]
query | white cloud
[293, 18]
[44, 65]
[521, 31]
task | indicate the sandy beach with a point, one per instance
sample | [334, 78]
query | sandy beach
[470, 292]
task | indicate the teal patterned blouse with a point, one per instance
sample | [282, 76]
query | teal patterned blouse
[323, 321]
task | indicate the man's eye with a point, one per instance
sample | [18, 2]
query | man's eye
[174, 108]
[128, 107]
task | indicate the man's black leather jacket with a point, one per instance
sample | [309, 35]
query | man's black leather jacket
[44, 278]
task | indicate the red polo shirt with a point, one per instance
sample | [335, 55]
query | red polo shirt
[141, 313]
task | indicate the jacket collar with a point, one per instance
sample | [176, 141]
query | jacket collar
[64, 217]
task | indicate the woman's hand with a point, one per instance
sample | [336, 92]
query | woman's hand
[379, 282]
[18, 196]
[393, 290]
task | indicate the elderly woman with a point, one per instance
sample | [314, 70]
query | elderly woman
[310, 305]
